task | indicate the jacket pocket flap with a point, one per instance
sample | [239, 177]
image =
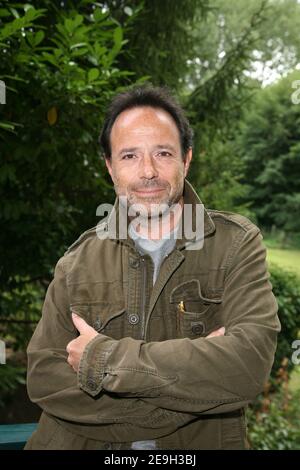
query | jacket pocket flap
[98, 314]
[191, 291]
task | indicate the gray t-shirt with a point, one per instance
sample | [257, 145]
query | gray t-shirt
[158, 250]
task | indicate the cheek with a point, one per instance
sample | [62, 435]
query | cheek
[174, 174]
[123, 177]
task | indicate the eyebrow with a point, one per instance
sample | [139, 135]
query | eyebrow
[134, 149]
[166, 146]
[129, 149]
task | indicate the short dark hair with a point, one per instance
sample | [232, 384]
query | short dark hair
[146, 95]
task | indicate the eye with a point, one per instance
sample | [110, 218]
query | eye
[128, 156]
[164, 153]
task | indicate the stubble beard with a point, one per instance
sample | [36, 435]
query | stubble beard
[151, 207]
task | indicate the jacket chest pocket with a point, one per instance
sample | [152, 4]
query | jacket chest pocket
[105, 318]
[194, 314]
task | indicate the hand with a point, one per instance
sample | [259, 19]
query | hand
[219, 332]
[76, 347]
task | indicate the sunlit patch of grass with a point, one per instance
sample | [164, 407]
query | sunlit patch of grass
[287, 259]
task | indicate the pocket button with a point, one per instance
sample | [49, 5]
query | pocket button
[91, 384]
[198, 328]
[133, 318]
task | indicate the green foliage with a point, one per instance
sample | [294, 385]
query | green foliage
[286, 288]
[20, 309]
[269, 146]
[273, 419]
[272, 430]
[215, 106]
[275, 40]
[280, 239]
[236, 40]
[160, 43]
[11, 377]
[60, 68]
[217, 173]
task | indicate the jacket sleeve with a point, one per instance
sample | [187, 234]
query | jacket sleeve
[204, 375]
[53, 385]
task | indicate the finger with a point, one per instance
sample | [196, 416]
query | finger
[80, 324]
[219, 332]
[68, 348]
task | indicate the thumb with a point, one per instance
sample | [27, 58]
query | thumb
[80, 324]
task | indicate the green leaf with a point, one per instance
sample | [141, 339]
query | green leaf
[17, 24]
[50, 58]
[4, 12]
[6, 126]
[39, 37]
[93, 74]
[30, 14]
[118, 36]
[27, 6]
[35, 38]
[78, 20]
[79, 52]
[80, 44]
[15, 12]
[72, 25]
[58, 52]
[69, 25]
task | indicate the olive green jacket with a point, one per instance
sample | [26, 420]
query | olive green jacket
[151, 373]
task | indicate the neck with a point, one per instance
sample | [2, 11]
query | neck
[155, 228]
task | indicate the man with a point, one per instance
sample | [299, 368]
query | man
[155, 340]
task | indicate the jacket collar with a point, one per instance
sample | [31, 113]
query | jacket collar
[191, 197]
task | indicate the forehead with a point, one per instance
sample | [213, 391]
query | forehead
[144, 121]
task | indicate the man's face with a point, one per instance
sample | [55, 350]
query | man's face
[146, 163]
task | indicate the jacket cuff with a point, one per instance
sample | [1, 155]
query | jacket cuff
[91, 370]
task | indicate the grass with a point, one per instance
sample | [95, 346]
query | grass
[285, 258]
[283, 251]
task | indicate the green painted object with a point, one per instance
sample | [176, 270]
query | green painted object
[15, 436]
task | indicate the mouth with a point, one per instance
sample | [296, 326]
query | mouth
[149, 192]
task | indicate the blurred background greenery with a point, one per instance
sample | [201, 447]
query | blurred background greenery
[235, 66]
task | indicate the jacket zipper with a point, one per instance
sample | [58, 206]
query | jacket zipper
[144, 273]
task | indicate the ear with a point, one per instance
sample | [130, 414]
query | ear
[188, 158]
[108, 165]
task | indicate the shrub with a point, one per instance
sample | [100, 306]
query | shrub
[286, 288]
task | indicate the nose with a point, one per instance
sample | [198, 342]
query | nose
[147, 167]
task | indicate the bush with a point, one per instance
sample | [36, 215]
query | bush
[273, 418]
[272, 431]
[11, 376]
[286, 288]
[272, 427]
[21, 309]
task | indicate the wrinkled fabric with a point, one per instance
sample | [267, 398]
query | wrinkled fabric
[151, 373]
